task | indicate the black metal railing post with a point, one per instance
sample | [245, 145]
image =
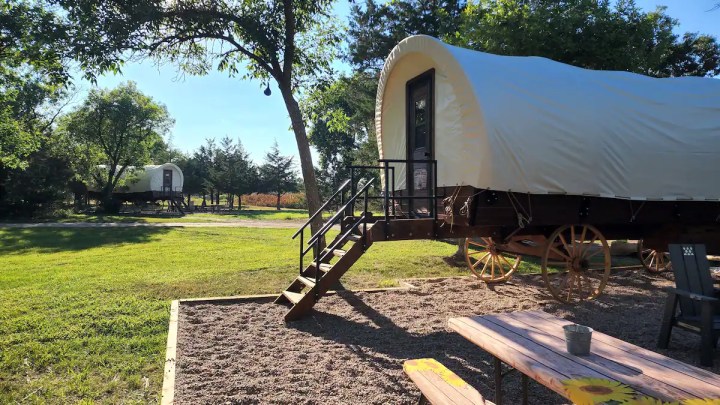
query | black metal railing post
[392, 190]
[317, 265]
[364, 237]
[302, 235]
[386, 187]
[434, 193]
[352, 191]
[342, 204]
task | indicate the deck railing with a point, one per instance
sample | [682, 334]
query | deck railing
[389, 195]
[316, 239]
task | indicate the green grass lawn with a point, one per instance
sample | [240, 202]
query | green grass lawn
[84, 312]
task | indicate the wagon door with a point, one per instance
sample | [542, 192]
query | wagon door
[167, 182]
[420, 141]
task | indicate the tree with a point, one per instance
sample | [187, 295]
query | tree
[375, 29]
[192, 177]
[289, 41]
[277, 174]
[236, 173]
[118, 128]
[42, 185]
[595, 34]
[343, 126]
[588, 33]
[33, 75]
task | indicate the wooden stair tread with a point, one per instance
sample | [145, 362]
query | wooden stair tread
[307, 281]
[354, 238]
[323, 266]
[337, 252]
[293, 297]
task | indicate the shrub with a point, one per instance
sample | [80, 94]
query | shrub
[289, 200]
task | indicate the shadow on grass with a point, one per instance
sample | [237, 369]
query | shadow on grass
[49, 240]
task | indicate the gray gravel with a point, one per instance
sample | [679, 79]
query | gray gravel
[350, 350]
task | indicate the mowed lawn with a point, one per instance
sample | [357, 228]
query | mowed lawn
[84, 312]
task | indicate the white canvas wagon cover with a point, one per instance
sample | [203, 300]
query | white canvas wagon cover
[532, 125]
[150, 178]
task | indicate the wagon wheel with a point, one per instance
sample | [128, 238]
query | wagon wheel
[487, 262]
[652, 260]
[576, 263]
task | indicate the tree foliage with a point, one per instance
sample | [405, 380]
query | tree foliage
[342, 126]
[33, 75]
[277, 173]
[289, 41]
[593, 34]
[237, 175]
[376, 27]
[117, 128]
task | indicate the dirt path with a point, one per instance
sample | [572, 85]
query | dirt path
[246, 223]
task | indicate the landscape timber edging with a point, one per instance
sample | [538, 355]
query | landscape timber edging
[168, 387]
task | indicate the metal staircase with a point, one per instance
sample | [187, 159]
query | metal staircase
[357, 233]
[329, 263]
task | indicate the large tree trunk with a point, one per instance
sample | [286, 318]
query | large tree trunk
[231, 200]
[239, 202]
[308, 170]
[278, 201]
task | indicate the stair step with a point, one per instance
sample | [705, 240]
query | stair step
[293, 297]
[355, 238]
[323, 266]
[308, 282]
[337, 252]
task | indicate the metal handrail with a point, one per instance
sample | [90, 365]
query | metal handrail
[321, 208]
[340, 240]
[335, 217]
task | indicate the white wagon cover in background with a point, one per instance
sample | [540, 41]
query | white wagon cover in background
[148, 178]
[532, 125]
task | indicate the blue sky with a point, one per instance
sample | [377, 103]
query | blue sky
[215, 106]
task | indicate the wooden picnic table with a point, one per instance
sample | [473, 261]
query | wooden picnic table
[533, 343]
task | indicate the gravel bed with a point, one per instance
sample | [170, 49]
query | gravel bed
[350, 350]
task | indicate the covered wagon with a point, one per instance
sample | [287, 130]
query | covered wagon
[148, 183]
[527, 156]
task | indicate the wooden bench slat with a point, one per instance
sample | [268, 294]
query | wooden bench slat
[598, 359]
[441, 386]
[703, 375]
[695, 386]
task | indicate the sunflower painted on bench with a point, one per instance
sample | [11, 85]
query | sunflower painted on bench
[440, 386]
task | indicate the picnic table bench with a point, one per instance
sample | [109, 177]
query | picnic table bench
[533, 343]
[440, 386]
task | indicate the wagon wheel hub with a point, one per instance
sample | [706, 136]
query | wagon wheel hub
[580, 265]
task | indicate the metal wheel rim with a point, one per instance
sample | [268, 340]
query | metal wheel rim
[487, 264]
[577, 247]
[652, 260]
